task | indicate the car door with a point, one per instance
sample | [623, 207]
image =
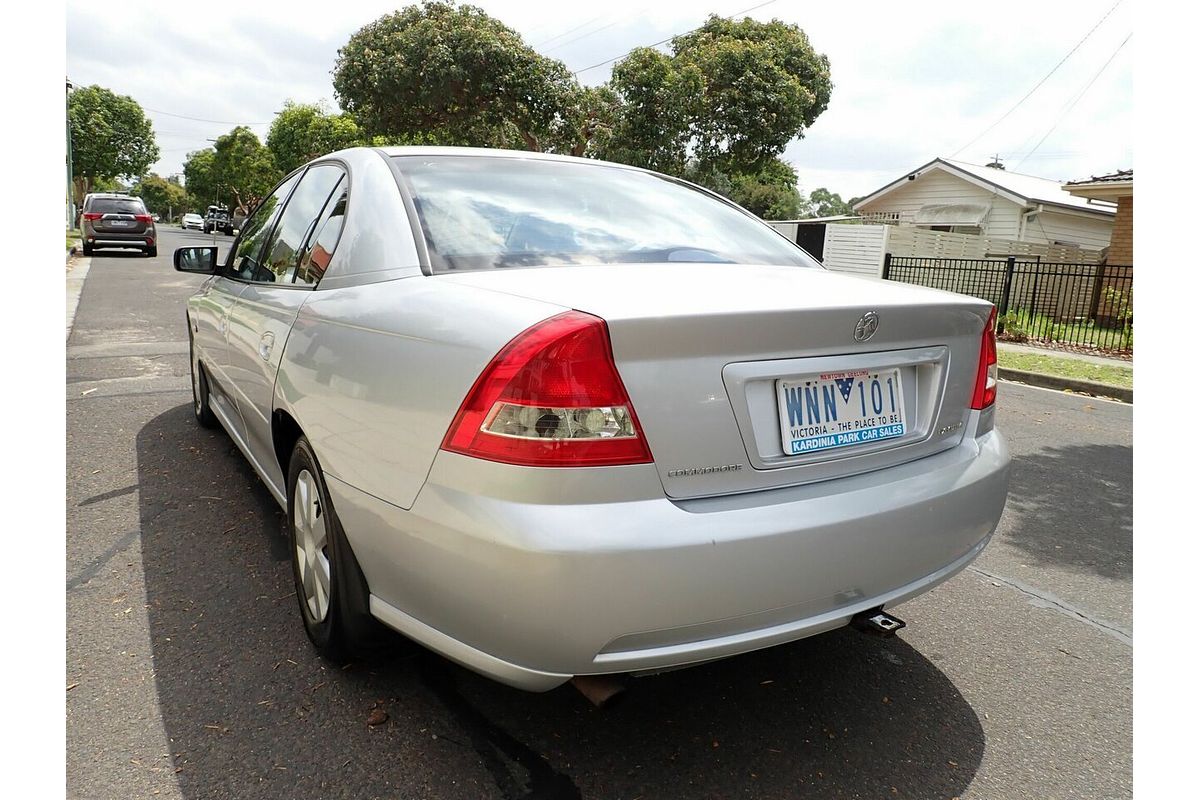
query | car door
[208, 321]
[242, 268]
[265, 310]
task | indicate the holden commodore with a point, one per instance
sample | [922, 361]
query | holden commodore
[555, 418]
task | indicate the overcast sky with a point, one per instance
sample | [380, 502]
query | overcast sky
[912, 81]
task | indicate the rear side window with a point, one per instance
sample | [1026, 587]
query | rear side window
[304, 207]
[114, 205]
[319, 252]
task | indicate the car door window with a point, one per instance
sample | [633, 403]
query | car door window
[319, 250]
[282, 251]
[246, 263]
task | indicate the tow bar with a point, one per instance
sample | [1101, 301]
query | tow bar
[876, 622]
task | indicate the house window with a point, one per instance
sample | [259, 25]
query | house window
[974, 230]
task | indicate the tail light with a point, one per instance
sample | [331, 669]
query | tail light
[987, 376]
[143, 218]
[551, 398]
[92, 216]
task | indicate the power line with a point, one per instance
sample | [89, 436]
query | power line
[567, 33]
[669, 38]
[1039, 83]
[583, 36]
[1078, 97]
[198, 119]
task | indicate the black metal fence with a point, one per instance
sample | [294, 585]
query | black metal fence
[1082, 306]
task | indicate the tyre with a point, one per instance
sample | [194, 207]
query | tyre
[200, 407]
[152, 251]
[87, 250]
[330, 587]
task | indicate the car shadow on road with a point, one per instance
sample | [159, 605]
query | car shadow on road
[251, 711]
[1074, 508]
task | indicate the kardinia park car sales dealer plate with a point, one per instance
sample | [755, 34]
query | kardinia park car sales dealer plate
[840, 409]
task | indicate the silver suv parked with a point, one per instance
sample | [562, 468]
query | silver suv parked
[117, 220]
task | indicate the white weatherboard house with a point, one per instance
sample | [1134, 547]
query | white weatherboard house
[958, 197]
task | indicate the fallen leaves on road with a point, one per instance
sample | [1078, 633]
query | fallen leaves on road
[377, 717]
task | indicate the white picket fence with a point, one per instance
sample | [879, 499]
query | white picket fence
[859, 249]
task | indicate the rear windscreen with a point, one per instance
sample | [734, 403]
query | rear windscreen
[103, 205]
[478, 212]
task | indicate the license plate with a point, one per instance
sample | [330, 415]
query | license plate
[120, 223]
[840, 409]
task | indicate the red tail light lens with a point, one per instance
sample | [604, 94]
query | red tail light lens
[988, 375]
[92, 216]
[143, 218]
[551, 398]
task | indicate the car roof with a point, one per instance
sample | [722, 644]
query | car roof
[422, 150]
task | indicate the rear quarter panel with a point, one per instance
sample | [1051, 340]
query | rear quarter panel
[375, 373]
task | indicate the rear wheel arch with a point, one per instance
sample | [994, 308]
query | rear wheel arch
[285, 432]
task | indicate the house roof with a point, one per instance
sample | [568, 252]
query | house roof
[1111, 187]
[1120, 176]
[1019, 188]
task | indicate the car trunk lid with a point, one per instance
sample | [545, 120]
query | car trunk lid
[707, 353]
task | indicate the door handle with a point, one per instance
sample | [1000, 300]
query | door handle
[265, 344]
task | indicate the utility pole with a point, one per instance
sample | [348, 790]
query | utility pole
[70, 163]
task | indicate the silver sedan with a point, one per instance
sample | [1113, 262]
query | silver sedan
[553, 417]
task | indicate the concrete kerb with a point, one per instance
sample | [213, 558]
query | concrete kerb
[75, 279]
[1069, 384]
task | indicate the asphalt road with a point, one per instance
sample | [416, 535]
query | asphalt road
[190, 676]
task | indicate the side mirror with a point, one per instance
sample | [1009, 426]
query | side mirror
[196, 259]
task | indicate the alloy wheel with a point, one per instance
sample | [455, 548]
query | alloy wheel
[312, 545]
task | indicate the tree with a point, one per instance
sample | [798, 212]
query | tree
[200, 179]
[731, 96]
[301, 132]
[110, 137]
[160, 195]
[453, 75]
[828, 204]
[243, 167]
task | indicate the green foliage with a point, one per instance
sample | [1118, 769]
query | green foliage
[199, 173]
[110, 137]
[731, 96]
[770, 193]
[1014, 328]
[1022, 322]
[302, 132]
[161, 196]
[452, 74]
[1116, 304]
[828, 204]
[659, 101]
[244, 168]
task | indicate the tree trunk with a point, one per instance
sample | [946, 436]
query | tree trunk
[531, 141]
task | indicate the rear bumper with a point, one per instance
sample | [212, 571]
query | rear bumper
[530, 588]
[120, 239]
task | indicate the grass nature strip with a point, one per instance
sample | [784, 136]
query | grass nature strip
[1063, 367]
